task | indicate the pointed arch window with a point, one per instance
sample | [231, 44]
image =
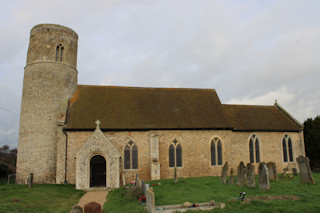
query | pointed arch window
[254, 149]
[216, 152]
[131, 156]
[59, 52]
[287, 149]
[175, 154]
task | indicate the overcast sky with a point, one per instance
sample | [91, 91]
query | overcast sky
[251, 52]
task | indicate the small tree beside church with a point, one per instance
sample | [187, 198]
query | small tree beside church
[312, 141]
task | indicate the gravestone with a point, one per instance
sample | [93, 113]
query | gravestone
[142, 184]
[241, 174]
[92, 207]
[305, 171]
[251, 183]
[272, 169]
[76, 209]
[284, 173]
[30, 180]
[294, 172]
[150, 201]
[264, 183]
[145, 188]
[224, 173]
[175, 175]
[138, 181]
[231, 177]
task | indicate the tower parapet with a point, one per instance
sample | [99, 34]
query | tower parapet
[50, 79]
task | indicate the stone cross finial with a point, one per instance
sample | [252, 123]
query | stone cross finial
[98, 123]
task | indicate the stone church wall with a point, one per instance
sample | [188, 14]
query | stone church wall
[195, 151]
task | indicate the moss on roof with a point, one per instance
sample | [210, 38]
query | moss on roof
[136, 108]
[259, 118]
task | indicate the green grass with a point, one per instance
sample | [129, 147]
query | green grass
[204, 189]
[39, 198]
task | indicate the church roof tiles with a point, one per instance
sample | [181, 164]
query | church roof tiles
[138, 108]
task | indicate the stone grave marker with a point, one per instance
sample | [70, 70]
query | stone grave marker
[150, 201]
[142, 184]
[92, 207]
[76, 209]
[294, 172]
[264, 183]
[30, 182]
[251, 183]
[284, 173]
[138, 181]
[224, 173]
[175, 175]
[272, 169]
[231, 177]
[305, 171]
[241, 174]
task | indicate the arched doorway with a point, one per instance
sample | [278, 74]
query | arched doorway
[97, 171]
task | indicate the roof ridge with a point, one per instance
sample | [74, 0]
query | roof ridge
[155, 88]
[248, 105]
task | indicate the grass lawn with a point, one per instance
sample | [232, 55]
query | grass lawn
[40, 198]
[204, 189]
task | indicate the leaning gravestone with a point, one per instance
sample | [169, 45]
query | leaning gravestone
[231, 177]
[305, 171]
[284, 173]
[272, 169]
[224, 173]
[150, 201]
[241, 174]
[251, 182]
[264, 183]
[92, 207]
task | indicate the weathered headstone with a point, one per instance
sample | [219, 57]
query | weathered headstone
[150, 201]
[76, 209]
[264, 183]
[92, 207]
[30, 180]
[241, 174]
[305, 171]
[145, 188]
[224, 173]
[251, 183]
[284, 173]
[175, 175]
[231, 177]
[272, 169]
[142, 184]
[294, 172]
[138, 181]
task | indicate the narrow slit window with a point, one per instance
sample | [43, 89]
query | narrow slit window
[171, 156]
[290, 150]
[213, 153]
[127, 157]
[219, 150]
[179, 155]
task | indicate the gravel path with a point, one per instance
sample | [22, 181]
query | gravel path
[96, 196]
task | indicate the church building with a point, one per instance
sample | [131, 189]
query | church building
[101, 136]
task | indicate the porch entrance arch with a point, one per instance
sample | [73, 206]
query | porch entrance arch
[98, 171]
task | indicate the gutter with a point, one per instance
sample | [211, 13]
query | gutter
[66, 158]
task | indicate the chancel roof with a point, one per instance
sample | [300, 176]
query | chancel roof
[260, 118]
[138, 108]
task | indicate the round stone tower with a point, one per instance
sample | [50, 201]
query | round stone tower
[50, 79]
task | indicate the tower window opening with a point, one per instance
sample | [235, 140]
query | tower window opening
[59, 53]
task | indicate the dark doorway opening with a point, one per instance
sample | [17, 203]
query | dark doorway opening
[97, 171]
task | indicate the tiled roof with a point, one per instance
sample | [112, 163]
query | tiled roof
[259, 118]
[136, 108]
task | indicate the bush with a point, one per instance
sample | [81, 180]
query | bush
[135, 192]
